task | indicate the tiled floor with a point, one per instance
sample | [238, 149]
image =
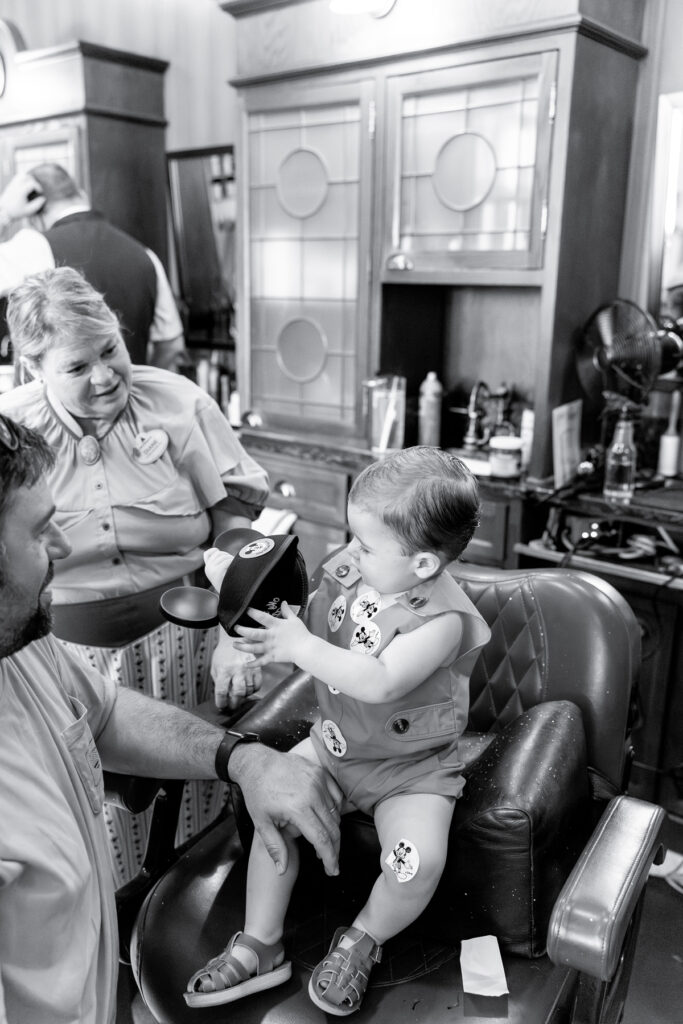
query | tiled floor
[656, 991]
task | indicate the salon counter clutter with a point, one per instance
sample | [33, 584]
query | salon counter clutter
[638, 548]
[312, 480]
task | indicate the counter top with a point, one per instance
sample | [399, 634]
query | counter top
[349, 459]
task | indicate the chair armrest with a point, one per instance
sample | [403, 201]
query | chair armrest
[592, 914]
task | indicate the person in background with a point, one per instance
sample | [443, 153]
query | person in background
[61, 723]
[391, 641]
[130, 276]
[148, 471]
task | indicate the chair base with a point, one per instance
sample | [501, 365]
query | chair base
[199, 905]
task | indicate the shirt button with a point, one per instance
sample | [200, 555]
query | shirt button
[99, 486]
[106, 526]
[116, 561]
[401, 725]
[341, 571]
[417, 602]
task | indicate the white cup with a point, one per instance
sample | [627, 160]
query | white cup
[505, 456]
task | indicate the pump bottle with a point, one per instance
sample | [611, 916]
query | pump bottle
[429, 411]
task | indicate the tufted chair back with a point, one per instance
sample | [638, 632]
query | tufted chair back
[556, 635]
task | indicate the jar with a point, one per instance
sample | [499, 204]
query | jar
[505, 456]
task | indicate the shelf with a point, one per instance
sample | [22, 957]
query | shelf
[596, 565]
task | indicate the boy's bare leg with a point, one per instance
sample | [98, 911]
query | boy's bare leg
[413, 831]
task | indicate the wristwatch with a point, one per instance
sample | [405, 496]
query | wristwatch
[225, 748]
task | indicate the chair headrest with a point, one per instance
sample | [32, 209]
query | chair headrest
[264, 572]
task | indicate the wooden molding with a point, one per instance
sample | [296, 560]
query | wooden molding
[240, 7]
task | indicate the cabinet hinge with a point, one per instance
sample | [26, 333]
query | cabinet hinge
[544, 219]
[552, 102]
[371, 119]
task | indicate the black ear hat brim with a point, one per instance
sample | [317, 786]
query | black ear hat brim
[263, 581]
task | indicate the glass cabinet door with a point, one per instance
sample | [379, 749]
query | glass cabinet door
[468, 151]
[306, 216]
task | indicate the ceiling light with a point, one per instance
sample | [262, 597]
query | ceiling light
[376, 8]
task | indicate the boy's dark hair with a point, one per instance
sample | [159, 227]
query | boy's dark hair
[24, 458]
[428, 498]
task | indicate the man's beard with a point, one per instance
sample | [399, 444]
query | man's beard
[36, 626]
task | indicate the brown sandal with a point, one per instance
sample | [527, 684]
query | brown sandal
[339, 981]
[225, 978]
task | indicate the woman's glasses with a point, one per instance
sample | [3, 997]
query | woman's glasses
[8, 434]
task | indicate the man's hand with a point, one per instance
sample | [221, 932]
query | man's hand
[278, 640]
[15, 201]
[234, 674]
[284, 789]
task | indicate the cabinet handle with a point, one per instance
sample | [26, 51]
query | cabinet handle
[399, 261]
[285, 489]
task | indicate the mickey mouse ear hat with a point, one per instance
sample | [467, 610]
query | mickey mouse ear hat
[264, 572]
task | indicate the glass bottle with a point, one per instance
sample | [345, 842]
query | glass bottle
[620, 463]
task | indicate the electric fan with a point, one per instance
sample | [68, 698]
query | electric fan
[621, 352]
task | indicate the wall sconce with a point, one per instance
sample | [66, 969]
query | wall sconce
[375, 8]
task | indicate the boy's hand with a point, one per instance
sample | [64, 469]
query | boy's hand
[279, 640]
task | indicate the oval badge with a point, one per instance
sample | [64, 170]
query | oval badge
[336, 614]
[366, 638]
[332, 738]
[256, 548]
[365, 606]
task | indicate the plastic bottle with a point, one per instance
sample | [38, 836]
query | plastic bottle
[429, 411]
[670, 442]
[620, 463]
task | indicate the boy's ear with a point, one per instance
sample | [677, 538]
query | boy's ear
[426, 564]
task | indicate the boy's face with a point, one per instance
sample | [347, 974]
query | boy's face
[379, 554]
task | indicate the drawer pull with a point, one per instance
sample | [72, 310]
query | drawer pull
[285, 489]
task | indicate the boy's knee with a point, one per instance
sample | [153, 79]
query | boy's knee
[410, 863]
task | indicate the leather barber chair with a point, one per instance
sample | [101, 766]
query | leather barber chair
[546, 852]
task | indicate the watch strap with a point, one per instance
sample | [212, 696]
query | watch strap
[231, 739]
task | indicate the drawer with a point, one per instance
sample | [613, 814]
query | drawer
[311, 490]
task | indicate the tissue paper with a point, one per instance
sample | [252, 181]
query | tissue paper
[482, 967]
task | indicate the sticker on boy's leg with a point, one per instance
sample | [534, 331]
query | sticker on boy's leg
[404, 860]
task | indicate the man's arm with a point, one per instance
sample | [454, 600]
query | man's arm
[27, 252]
[167, 341]
[148, 737]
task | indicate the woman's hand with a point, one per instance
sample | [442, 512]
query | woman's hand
[216, 564]
[234, 674]
[278, 640]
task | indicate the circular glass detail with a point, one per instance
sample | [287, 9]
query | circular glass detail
[302, 183]
[301, 350]
[464, 172]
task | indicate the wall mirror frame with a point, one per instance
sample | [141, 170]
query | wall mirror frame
[665, 279]
[203, 212]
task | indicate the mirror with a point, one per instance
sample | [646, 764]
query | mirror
[665, 286]
[203, 211]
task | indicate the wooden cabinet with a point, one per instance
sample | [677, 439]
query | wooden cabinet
[99, 113]
[467, 166]
[485, 200]
[305, 222]
[316, 493]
